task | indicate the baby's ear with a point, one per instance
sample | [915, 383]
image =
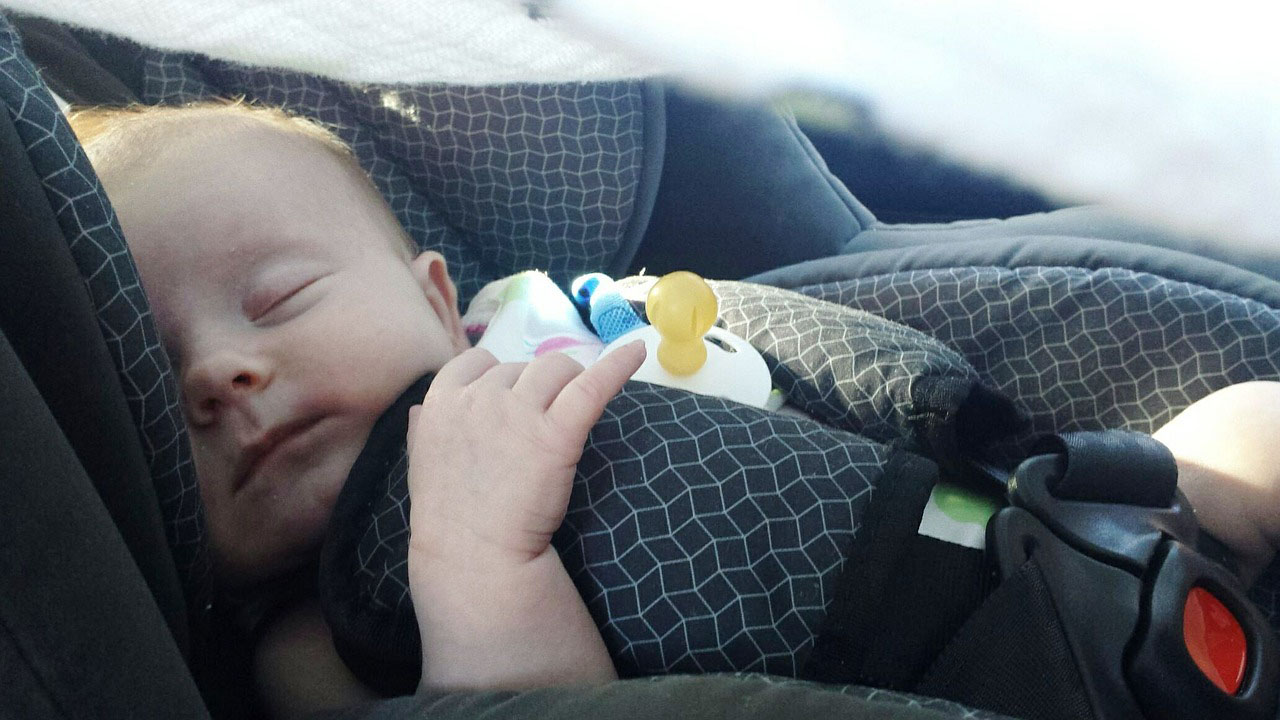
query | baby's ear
[432, 273]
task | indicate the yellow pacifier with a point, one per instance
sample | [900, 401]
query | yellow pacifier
[682, 308]
[687, 351]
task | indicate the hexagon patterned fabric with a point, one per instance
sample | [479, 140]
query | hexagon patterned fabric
[498, 179]
[706, 536]
[1084, 349]
[1081, 349]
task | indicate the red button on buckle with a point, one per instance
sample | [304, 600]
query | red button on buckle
[1214, 639]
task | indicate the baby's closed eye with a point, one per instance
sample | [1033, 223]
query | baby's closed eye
[280, 299]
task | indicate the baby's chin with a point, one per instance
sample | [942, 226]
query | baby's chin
[272, 534]
[256, 557]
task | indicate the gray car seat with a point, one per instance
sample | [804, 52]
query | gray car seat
[100, 533]
[629, 214]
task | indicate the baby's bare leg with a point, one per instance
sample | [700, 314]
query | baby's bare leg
[1228, 450]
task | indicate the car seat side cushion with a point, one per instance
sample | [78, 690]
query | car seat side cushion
[1032, 251]
[742, 191]
[79, 620]
[67, 66]
[45, 312]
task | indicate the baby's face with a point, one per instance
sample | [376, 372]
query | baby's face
[294, 318]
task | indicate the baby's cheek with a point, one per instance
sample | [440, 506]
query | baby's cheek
[310, 503]
[211, 482]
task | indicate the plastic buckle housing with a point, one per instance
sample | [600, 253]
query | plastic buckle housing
[1122, 577]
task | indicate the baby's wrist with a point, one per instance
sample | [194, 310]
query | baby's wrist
[470, 615]
[456, 546]
[459, 562]
[452, 560]
[518, 627]
[478, 570]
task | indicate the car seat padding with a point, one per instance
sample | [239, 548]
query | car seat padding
[46, 313]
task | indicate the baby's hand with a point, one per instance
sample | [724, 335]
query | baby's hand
[493, 449]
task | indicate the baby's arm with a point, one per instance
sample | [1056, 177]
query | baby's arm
[1228, 450]
[493, 451]
[297, 670]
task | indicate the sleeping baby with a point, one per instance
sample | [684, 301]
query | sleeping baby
[296, 312]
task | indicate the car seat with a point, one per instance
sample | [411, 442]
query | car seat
[109, 594]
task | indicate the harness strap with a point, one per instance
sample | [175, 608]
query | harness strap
[901, 595]
[1091, 600]
[1016, 629]
[1149, 476]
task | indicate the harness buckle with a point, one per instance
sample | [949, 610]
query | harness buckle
[1158, 630]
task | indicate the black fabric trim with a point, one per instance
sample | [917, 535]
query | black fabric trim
[956, 418]
[900, 596]
[122, 57]
[1013, 657]
[368, 640]
[66, 66]
[1031, 251]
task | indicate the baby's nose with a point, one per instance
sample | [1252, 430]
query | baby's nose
[221, 382]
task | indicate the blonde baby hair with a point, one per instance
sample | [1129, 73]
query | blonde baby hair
[119, 138]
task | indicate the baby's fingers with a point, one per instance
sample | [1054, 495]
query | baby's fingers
[414, 412]
[546, 377]
[502, 376]
[462, 370]
[582, 401]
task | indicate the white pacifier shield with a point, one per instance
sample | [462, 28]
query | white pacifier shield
[737, 373]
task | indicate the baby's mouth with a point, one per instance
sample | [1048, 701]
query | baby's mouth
[257, 453]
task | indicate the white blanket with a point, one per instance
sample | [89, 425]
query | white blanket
[1169, 112]
[383, 41]
[1166, 111]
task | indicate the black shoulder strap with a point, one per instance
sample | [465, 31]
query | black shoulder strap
[1115, 466]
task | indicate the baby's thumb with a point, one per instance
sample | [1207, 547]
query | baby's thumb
[414, 412]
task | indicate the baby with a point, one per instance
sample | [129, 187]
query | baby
[296, 310]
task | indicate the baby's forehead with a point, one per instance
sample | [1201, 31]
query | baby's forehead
[213, 141]
[185, 145]
[246, 176]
